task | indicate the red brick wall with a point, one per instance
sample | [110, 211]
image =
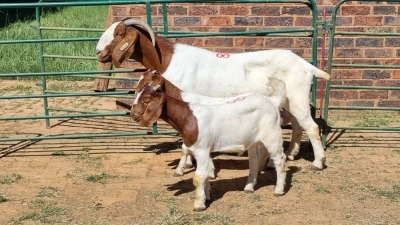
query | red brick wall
[353, 16]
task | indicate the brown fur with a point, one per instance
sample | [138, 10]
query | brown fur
[153, 79]
[140, 48]
[175, 112]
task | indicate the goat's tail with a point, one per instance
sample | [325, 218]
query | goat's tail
[321, 74]
[278, 96]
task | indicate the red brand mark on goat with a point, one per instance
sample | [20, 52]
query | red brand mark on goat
[223, 55]
[236, 100]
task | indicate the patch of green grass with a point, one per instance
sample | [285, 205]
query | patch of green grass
[175, 216]
[84, 154]
[44, 212]
[98, 206]
[92, 161]
[10, 178]
[322, 189]
[47, 192]
[58, 153]
[26, 60]
[397, 151]
[63, 87]
[98, 178]
[393, 195]
[3, 199]
[19, 88]
[255, 197]
[212, 218]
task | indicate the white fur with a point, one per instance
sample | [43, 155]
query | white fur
[106, 38]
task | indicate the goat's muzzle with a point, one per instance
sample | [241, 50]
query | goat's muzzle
[103, 56]
[135, 117]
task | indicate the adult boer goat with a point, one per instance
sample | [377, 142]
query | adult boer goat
[219, 74]
[206, 128]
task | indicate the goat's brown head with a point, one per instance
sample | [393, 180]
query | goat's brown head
[147, 107]
[117, 43]
[151, 78]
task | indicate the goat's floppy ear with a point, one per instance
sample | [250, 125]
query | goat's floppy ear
[124, 49]
[153, 110]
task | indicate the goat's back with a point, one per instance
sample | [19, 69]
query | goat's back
[235, 124]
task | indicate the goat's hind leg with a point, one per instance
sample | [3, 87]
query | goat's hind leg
[294, 146]
[274, 146]
[312, 130]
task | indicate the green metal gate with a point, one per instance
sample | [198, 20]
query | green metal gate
[350, 66]
[310, 32]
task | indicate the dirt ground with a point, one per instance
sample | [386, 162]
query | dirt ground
[128, 180]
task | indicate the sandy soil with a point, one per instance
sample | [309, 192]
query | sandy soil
[128, 180]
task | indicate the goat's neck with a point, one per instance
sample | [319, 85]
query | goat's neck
[153, 57]
[171, 90]
[178, 114]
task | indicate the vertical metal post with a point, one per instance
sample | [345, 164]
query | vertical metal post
[42, 66]
[165, 18]
[314, 56]
[329, 70]
[149, 21]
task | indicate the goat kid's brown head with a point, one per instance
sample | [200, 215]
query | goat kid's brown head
[150, 78]
[117, 43]
[147, 107]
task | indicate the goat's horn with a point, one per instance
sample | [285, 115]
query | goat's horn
[131, 21]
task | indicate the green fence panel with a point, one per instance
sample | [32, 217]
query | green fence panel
[40, 40]
[332, 26]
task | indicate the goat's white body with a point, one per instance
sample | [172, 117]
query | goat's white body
[248, 121]
[235, 125]
[222, 75]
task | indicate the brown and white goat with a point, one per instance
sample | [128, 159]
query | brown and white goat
[154, 79]
[216, 74]
[206, 128]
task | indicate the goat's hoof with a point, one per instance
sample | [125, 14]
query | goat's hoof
[318, 165]
[199, 209]
[277, 194]
[290, 157]
[178, 174]
[249, 188]
[248, 191]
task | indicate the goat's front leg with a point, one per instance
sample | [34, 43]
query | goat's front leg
[183, 162]
[200, 179]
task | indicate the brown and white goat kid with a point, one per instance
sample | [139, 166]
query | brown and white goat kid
[206, 128]
[216, 74]
[153, 78]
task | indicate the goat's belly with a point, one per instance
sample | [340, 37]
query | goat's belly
[229, 149]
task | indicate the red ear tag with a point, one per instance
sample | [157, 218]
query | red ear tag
[223, 55]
